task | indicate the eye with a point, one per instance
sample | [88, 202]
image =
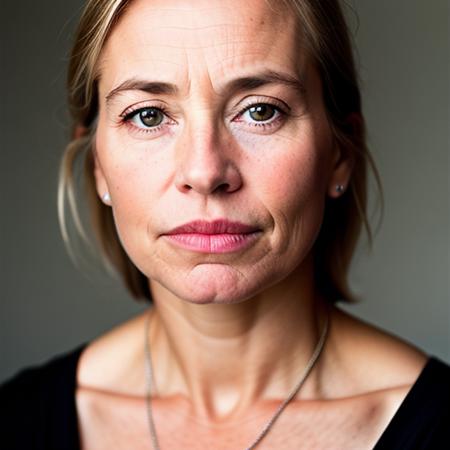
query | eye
[263, 116]
[148, 117]
[262, 112]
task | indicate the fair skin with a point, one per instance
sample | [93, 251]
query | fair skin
[230, 331]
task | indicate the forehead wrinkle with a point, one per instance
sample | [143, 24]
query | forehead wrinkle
[193, 18]
[232, 34]
[199, 28]
[235, 38]
[196, 47]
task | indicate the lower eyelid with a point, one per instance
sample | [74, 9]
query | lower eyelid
[139, 130]
[279, 117]
[266, 126]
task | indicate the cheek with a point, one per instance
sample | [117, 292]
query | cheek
[133, 177]
[295, 177]
[132, 169]
[294, 192]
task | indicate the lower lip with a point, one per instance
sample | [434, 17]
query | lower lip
[213, 243]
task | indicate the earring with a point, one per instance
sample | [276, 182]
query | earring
[106, 198]
[340, 188]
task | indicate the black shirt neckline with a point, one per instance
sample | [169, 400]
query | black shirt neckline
[415, 416]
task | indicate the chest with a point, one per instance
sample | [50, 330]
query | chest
[107, 422]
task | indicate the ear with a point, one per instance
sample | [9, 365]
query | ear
[343, 163]
[79, 131]
[100, 181]
[341, 173]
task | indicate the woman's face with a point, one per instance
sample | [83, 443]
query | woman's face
[210, 111]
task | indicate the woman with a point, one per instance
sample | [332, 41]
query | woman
[226, 170]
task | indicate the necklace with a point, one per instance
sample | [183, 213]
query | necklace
[270, 422]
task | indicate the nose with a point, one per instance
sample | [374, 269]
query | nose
[205, 164]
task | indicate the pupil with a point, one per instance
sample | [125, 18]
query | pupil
[262, 112]
[151, 117]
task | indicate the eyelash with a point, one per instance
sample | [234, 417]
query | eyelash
[279, 111]
[131, 112]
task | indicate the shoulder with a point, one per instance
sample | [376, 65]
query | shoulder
[43, 375]
[42, 379]
[114, 361]
[430, 394]
[372, 359]
[423, 418]
[37, 399]
[406, 391]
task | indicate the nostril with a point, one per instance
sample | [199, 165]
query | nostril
[220, 188]
[208, 176]
[186, 187]
[224, 187]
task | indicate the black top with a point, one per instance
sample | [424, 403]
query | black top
[38, 411]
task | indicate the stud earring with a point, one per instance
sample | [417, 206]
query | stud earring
[106, 198]
[340, 188]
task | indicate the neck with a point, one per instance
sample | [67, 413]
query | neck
[225, 358]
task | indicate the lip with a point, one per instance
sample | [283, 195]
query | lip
[218, 236]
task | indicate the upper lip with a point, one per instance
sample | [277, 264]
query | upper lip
[220, 226]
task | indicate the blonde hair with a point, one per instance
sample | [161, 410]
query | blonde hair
[327, 39]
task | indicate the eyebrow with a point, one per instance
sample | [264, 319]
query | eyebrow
[234, 86]
[151, 87]
[263, 79]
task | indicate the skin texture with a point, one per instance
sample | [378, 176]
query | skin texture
[230, 333]
[206, 163]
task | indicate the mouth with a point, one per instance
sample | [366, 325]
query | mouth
[219, 236]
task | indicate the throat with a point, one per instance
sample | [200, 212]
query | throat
[223, 378]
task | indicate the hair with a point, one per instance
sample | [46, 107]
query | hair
[327, 39]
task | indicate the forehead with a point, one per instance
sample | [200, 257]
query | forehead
[186, 40]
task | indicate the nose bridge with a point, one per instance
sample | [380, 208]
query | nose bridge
[202, 137]
[205, 164]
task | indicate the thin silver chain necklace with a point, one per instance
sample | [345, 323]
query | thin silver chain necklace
[270, 422]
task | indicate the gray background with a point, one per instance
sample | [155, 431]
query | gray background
[47, 306]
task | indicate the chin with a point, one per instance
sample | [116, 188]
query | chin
[208, 284]
[214, 297]
[212, 284]
[206, 291]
